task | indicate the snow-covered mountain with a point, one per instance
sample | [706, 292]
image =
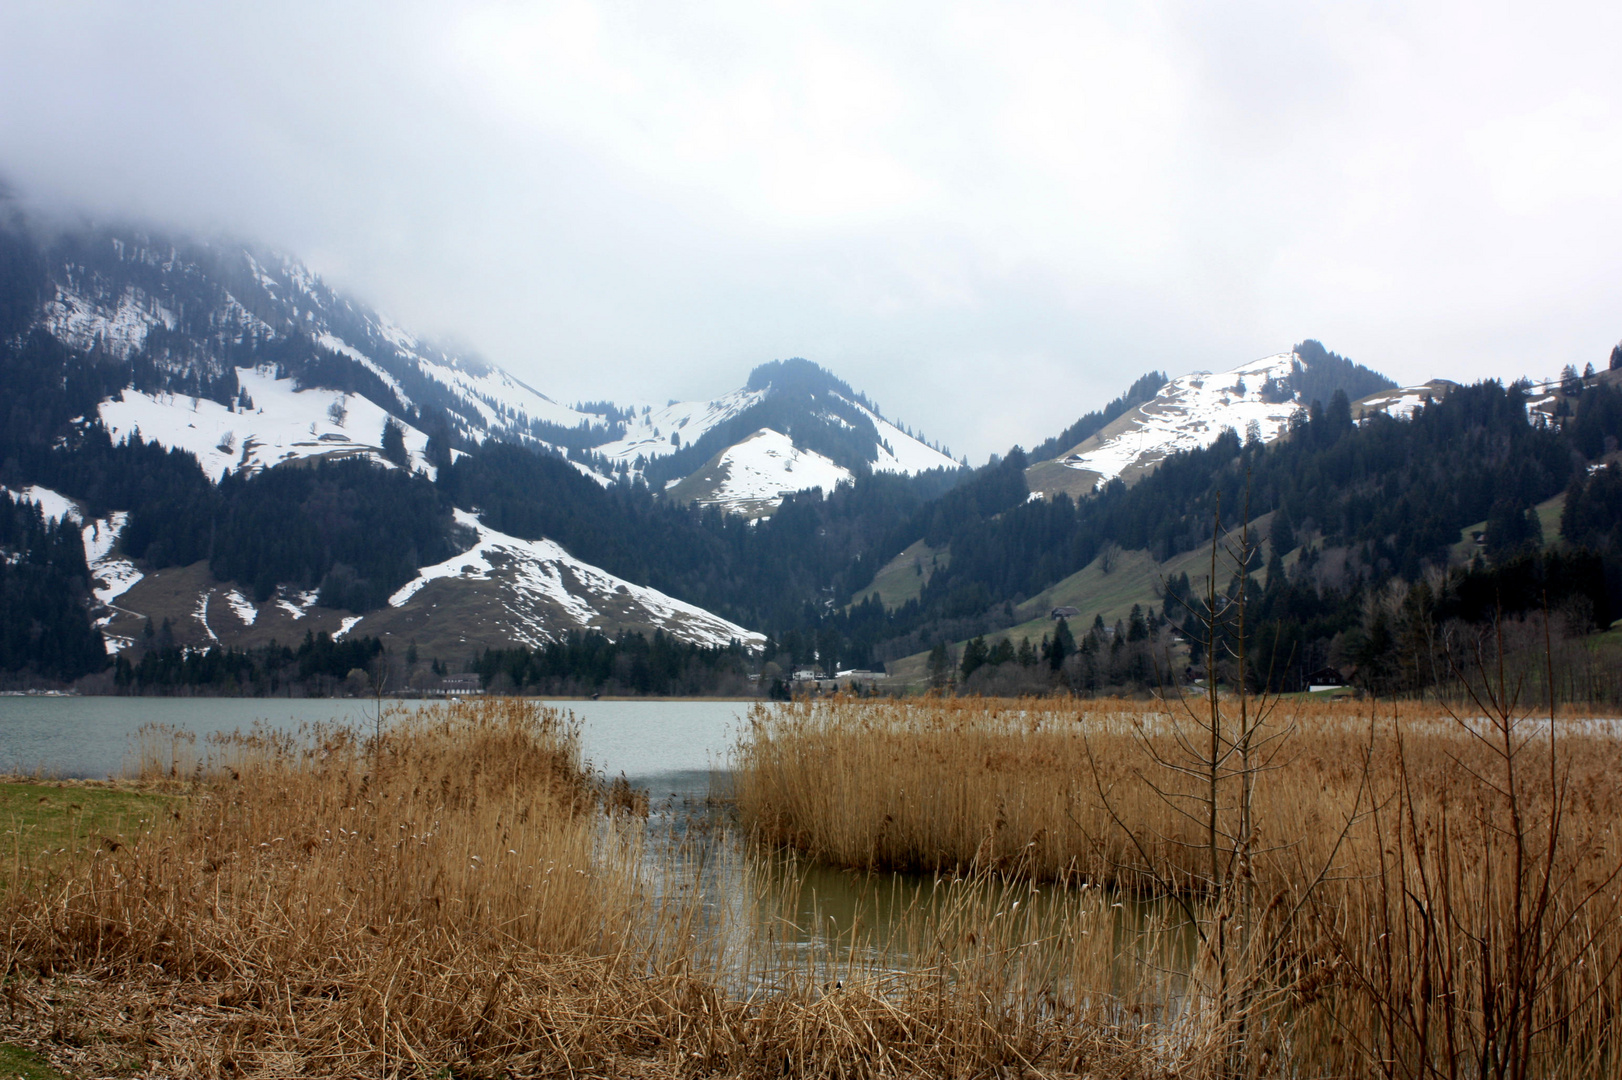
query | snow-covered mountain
[248, 359]
[752, 477]
[1256, 400]
[793, 427]
[203, 321]
[500, 590]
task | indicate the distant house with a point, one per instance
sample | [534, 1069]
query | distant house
[1065, 613]
[1325, 679]
[460, 685]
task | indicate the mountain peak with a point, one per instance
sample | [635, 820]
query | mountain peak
[798, 375]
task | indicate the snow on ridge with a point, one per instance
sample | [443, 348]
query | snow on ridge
[1188, 413]
[495, 387]
[334, 343]
[283, 425]
[663, 431]
[537, 570]
[659, 432]
[767, 466]
[55, 506]
[82, 323]
[906, 454]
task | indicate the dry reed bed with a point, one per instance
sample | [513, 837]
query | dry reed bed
[1401, 892]
[946, 784]
[453, 897]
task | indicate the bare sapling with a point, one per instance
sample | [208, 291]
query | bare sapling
[1204, 763]
[1484, 941]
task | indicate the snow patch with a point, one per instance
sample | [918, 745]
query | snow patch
[300, 604]
[1189, 413]
[201, 614]
[110, 577]
[347, 625]
[767, 466]
[55, 506]
[242, 606]
[121, 329]
[284, 424]
[545, 578]
[1402, 403]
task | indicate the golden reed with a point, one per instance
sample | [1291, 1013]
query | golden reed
[456, 896]
[1427, 894]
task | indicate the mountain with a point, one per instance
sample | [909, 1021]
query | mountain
[792, 427]
[190, 317]
[159, 389]
[117, 343]
[205, 449]
[248, 359]
[1256, 399]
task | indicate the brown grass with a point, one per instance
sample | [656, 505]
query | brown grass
[1431, 896]
[459, 898]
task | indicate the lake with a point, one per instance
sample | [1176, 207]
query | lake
[667, 746]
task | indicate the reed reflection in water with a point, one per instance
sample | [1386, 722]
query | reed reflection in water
[776, 921]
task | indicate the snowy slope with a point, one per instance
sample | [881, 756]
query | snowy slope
[284, 424]
[752, 476]
[1188, 413]
[900, 452]
[654, 433]
[111, 576]
[547, 592]
[192, 312]
[1404, 401]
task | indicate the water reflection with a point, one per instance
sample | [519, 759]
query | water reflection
[772, 920]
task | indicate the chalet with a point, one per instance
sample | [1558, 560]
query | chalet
[460, 685]
[1325, 679]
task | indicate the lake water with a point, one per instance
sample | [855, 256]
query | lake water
[667, 746]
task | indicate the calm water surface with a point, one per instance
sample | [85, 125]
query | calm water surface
[667, 746]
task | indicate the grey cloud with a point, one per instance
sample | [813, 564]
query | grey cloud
[991, 218]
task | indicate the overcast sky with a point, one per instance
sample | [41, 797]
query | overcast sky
[991, 218]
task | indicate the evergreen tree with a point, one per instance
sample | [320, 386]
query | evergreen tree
[1571, 384]
[1511, 528]
[394, 448]
[940, 666]
[1063, 645]
[1282, 535]
[975, 654]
